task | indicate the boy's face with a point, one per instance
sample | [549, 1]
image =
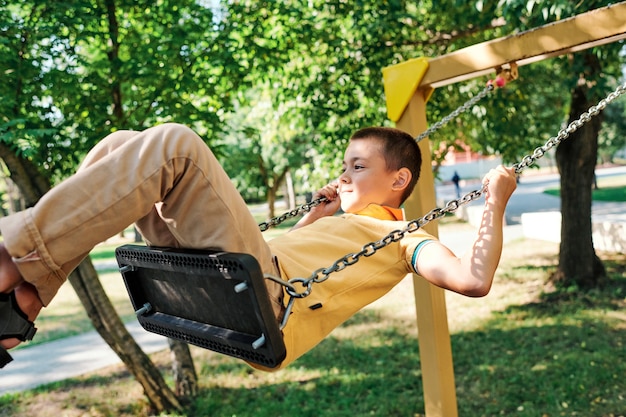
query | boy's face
[365, 178]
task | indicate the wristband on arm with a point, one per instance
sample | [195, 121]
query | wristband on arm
[417, 252]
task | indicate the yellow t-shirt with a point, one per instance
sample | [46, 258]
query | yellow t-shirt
[318, 245]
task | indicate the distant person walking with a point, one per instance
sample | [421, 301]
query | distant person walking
[456, 179]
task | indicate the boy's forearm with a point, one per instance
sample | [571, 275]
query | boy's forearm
[481, 261]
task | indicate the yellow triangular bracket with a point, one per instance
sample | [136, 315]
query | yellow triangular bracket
[401, 82]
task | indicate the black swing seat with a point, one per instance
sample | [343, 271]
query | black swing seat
[215, 300]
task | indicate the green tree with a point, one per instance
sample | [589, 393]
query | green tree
[612, 137]
[264, 146]
[587, 75]
[331, 67]
[323, 60]
[78, 70]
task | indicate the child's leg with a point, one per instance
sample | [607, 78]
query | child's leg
[152, 227]
[168, 164]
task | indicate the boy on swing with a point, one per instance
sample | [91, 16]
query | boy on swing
[167, 181]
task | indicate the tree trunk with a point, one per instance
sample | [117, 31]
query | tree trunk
[14, 200]
[108, 324]
[25, 175]
[93, 297]
[290, 193]
[138, 238]
[272, 190]
[185, 376]
[271, 202]
[576, 159]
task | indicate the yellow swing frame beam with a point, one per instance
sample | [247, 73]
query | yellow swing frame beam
[408, 86]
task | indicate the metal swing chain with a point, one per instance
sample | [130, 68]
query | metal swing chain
[571, 128]
[305, 208]
[369, 249]
[456, 113]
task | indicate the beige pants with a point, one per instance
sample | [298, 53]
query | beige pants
[165, 179]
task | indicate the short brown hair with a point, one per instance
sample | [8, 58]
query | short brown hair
[399, 149]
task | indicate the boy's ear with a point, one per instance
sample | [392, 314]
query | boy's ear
[402, 180]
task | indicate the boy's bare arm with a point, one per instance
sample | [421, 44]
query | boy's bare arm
[327, 208]
[473, 273]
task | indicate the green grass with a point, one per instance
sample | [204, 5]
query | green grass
[611, 189]
[602, 194]
[518, 352]
[610, 194]
[524, 350]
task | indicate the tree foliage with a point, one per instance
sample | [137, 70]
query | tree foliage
[328, 70]
[587, 75]
[613, 134]
[275, 87]
[79, 70]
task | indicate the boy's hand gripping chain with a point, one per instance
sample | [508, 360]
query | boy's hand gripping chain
[13, 324]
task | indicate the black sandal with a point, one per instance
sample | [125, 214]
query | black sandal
[13, 324]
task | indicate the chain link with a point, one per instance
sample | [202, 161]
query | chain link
[456, 113]
[564, 133]
[369, 249]
[305, 208]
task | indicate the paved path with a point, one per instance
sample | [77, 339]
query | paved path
[62, 359]
[66, 358]
[529, 197]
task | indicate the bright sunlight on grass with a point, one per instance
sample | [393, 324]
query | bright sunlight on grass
[610, 189]
[521, 351]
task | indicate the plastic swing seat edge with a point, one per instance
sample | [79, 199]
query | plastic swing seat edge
[211, 299]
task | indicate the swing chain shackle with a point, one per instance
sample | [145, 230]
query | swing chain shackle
[505, 73]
